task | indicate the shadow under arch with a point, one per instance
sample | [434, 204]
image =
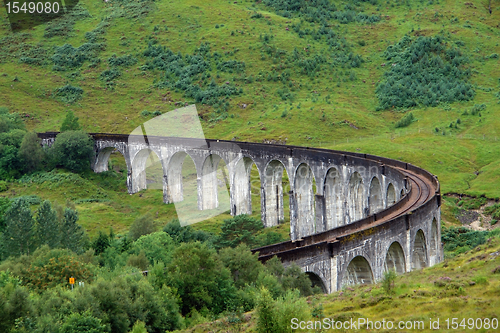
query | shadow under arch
[395, 259]
[316, 281]
[214, 175]
[390, 198]
[419, 251]
[375, 199]
[274, 192]
[243, 181]
[355, 198]
[334, 205]
[304, 195]
[103, 156]
[139, 162]
[357, 272]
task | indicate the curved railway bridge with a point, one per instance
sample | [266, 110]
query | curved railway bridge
[352, 216]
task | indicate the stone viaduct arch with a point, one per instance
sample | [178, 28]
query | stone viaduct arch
[365, 214]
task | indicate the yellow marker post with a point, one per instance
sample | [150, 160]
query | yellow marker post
[72, 282]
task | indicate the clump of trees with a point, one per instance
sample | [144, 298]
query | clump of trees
[190, 278]
[423, 72]
[405, 121]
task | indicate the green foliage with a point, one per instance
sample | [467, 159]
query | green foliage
[70, 122]
[47, 226]
[125, 61]
[477, 108]
[68, 57]
[494, 211]
[139, 327]
[143, 225]
[85, 322]
[459, 239]
[63, 26]
[423, 72]
[19, 230]
[388, 281]
[101, 243]
[51, 268]
[68, 93]
[240, 229]
[405, 121]
[200, 279]
[275, 316]
[31, 153]
[245, 267]
[472, 202]
[185, 234]
[72, 233]
[72, 150]
[4, 186]
[182, 72]
[157, 246]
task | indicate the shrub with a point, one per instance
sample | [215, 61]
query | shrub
[423, 72]
[388, 281]
[4, 186]
[405, 121]
[68, 93]
[125, 61]
[143, 225]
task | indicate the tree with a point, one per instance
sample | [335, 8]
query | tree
[244, 266]
[47, 226]
[19, 231]
[200, 279]
[30, 152]
[239, 229]
[73, 150]
[71, 232]
[70, 123]
[143, 225]
[101, 243]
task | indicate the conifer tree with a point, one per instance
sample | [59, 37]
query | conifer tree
[30, 152]
[19, 231]
[71, 232]
[47, 226]
[70, 123]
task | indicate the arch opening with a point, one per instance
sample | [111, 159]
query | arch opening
[333, 199]
[243, 183]
[391, 195]
[355, 198]
[181, 179]
[358, 272]
[276, 194]
[434, 243]
[147, 171]
[375, 199]
[402, 194]
[214, 184]
[419, 253]
[395, 259]
[316, 282]
[304, 194]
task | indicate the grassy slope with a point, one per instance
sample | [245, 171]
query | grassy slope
[463, 287]
[463, 165]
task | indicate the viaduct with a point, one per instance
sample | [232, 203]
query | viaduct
[352, 215]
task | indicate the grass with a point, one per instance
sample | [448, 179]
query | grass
[328, 109]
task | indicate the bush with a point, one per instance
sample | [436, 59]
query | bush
[405, 121]
[423, 72]
[388, 281]
[4, 186]
[143, 225]
[72, 150]
[125, 61]
[68, 93]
